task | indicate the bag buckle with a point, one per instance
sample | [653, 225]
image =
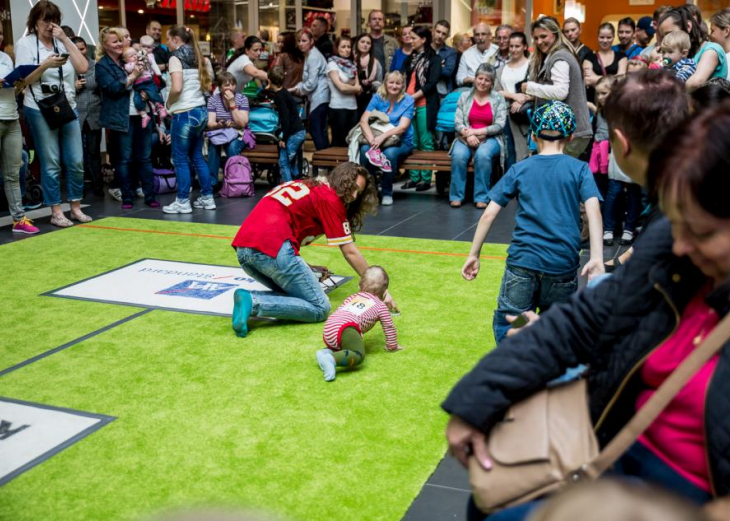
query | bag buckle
[579, 474]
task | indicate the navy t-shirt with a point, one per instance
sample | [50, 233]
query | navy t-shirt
[549, 190]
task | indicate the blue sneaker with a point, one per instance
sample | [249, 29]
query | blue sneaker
[327, 363]
[242, 305]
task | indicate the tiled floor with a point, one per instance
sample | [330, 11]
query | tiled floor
[418, 215]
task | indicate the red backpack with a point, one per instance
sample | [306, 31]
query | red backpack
[237, 178]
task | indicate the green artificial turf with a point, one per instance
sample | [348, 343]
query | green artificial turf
[204, 417]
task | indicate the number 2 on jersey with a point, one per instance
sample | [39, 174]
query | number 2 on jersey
[289, 192]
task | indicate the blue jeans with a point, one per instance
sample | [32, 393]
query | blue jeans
[187, 145]
[297, 294]
[633, 205]
[54, 148]
[214, 156]
[134, 148]
[527, 290]
[395, 155]
[318, 126]
[483, 156]
[289, 156]
[638, 465]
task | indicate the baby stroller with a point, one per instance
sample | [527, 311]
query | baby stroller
[263, 121]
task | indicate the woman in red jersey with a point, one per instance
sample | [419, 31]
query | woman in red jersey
[292, 215]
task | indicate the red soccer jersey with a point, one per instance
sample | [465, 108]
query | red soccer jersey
[296, 212]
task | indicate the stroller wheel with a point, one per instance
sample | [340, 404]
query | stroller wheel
[272, 176]
[35, 193]
[305, 168]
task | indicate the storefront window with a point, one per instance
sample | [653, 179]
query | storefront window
[213, 22]
[399, 13]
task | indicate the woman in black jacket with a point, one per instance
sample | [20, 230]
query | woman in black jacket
[422, 70]
[633, 330]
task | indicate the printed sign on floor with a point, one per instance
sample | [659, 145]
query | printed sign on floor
[31, 433]
[176, 286]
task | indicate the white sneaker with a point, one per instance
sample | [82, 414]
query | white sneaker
[608, 238]
[387, 200]
[116, 194]
[139, 192]
[206, 202]
[178, 206]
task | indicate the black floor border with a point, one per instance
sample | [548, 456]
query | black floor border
[52, 293]
[73, 342]
[103, 421]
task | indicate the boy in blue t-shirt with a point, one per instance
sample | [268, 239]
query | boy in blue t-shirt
[544, 255]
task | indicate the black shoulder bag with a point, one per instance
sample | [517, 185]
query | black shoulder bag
[55, 108]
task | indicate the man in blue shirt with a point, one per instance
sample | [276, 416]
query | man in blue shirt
[441, 32]
[544, 255]
[626, 45]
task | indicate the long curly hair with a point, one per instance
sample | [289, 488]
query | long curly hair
[343, 180]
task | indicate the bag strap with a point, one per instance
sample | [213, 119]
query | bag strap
[656, 404]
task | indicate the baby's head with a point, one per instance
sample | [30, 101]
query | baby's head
[675, 47]
[129, 55]
[636, 64]
[375, 281]
[147, 43]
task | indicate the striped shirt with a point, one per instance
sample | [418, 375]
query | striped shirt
[216, 104]
[361, 311]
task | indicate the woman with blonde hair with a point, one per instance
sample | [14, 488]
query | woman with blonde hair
[391, 98]
[189, 79]
[555, 74]
[130, 141]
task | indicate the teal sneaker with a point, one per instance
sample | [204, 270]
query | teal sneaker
[327, 363]
[242, 305]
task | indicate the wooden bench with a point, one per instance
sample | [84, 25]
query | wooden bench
[438, 161]
[266, 157]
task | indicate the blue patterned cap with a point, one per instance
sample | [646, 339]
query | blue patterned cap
[555, 116]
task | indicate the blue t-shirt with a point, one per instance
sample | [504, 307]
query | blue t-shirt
[633, 51]
[722, 66]
[399, 58]
[549, 190]
[403, 108]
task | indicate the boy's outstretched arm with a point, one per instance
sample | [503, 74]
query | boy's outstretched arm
[594, 267]
[471, 266]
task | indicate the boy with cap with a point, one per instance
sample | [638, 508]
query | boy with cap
[544, 255]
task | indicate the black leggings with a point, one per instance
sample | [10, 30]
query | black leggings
[342, 121]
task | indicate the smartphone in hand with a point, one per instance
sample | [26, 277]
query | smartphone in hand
[520, 321]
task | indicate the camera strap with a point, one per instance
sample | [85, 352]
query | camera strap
[38, 58]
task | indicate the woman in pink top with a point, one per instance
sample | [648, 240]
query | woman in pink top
[634, 329]
[480, 119]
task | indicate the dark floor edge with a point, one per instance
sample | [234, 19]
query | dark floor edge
[73, 342]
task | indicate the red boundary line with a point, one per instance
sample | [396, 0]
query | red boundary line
[207, 236]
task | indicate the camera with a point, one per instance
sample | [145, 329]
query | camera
[49, 89]
[80, 76]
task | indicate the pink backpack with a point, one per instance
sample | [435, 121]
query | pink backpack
[237, 178]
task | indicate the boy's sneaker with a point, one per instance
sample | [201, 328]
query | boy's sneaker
[145, 120]
[139, 192]
[327, 364]
[116, 194]
[178, 206]
[627, 238]
[206, 202]
[242, 306]
[386, 165]
[25, 225]
[387, 200]
[608, 238]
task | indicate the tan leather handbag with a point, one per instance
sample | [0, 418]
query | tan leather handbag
[547, 441]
